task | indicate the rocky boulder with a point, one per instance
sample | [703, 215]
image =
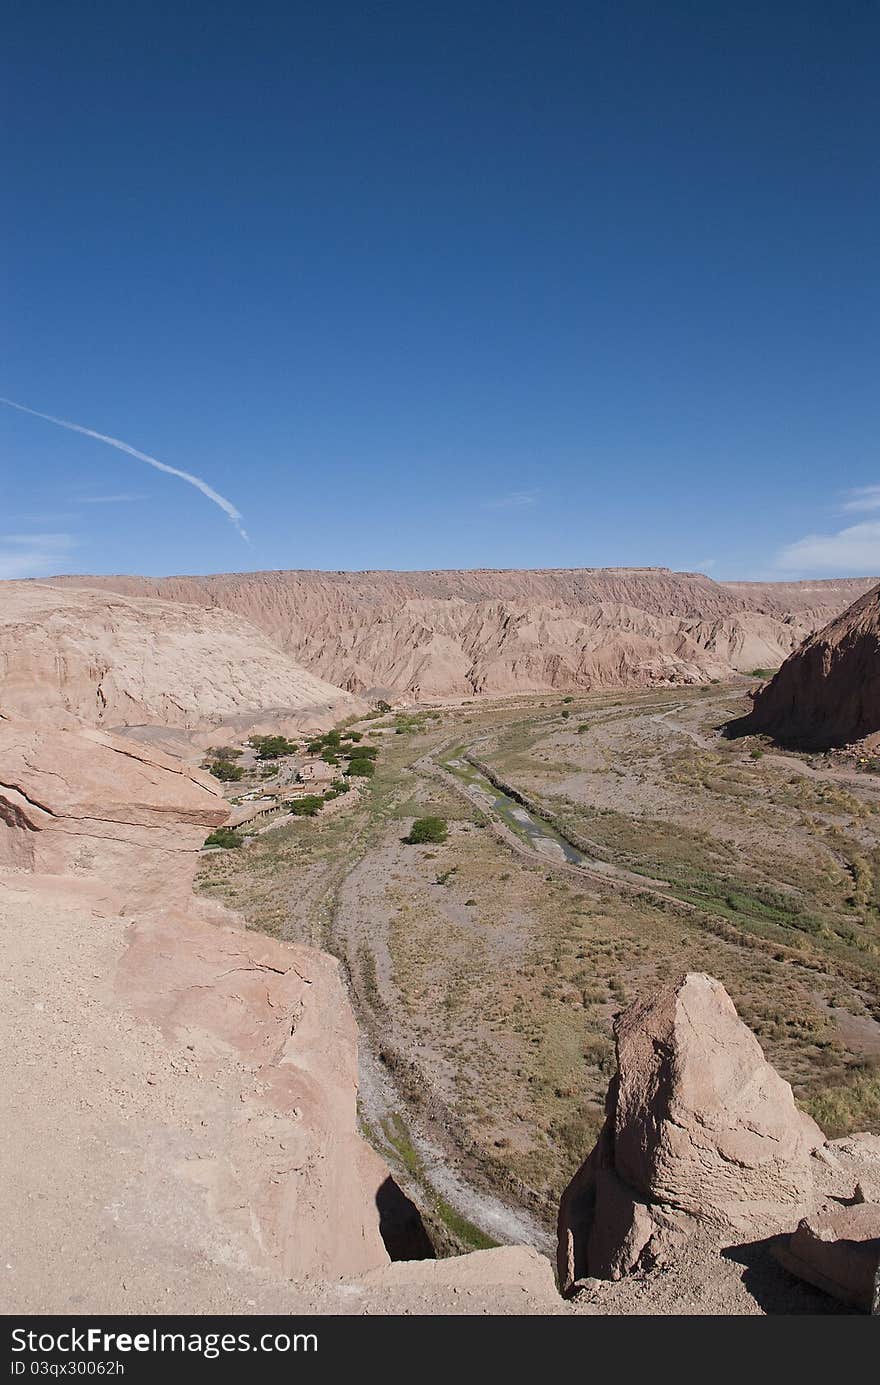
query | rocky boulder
[700, 1131]
[838, 1250]
[112, 817]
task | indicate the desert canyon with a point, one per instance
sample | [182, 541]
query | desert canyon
[508, 1068]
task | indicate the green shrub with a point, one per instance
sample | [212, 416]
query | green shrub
[308, 806]
[427, 830]
[223, 836]
[362, 769]
[225, 770]
[365, 752]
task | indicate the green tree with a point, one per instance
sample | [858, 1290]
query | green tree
[362, 769]
[424, 830]
[365, 752]
[224, 770]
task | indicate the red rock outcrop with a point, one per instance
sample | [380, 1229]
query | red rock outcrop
[103, 813]
[828, 692]
[457, 633]
[700, 1131]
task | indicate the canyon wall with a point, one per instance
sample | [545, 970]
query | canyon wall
[827, 693]
[111, 660]
[460, 633]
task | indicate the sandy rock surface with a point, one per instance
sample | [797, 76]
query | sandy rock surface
[112, 661]
[700, 1131]
[82, 805]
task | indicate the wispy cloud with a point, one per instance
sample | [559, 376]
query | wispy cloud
[108, 499]
[862, 498]
[225, 505]
[512, 500]
[33, 555]
[851, 551]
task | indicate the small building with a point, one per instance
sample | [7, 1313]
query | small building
[318, 772]
[294, 791]
[246, 812]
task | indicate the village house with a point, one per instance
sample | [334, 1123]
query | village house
[318, 772]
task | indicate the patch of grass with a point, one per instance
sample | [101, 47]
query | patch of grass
[853, 1104]
[399, 1140]
[223, 836]
[427, 830]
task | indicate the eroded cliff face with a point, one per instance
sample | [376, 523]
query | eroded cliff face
[112, 661]
[457, 633]
[265, 1156]
[114, 819]
[828, 692]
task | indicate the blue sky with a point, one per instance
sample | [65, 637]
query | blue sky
[425, 285]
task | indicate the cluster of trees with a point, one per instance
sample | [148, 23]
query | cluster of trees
[220, 762]
[272, 747]
[336, 746]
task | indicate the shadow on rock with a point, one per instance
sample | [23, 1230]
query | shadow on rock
[401, 1226]
[772, 1287]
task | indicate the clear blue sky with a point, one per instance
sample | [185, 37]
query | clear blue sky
[442, 284]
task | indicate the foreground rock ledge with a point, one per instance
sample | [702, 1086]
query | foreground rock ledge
[700, 1131]
[838, 1250]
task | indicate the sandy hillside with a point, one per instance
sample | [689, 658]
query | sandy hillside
[111, 660]
[456, 633]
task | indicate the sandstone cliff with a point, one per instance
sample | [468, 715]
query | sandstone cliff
[261, 1031]
[456, 633]
[102, 815]
[828, 692]
[182, 1091]
[114, 661]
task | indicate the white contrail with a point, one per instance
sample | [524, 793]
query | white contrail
[225, 505]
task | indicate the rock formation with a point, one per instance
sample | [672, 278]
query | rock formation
[445, 634]
[106, 815]
[115, 661]
[700, 1132]
[263, 1029]
[828, 692]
